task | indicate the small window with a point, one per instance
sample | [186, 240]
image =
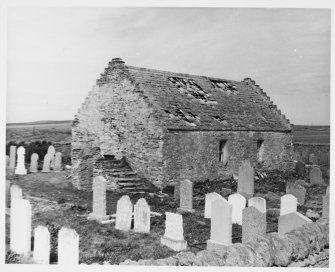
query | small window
[223, 155]
[260, 150]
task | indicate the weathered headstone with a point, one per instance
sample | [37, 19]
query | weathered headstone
[99, 199]
[300, 168]
[20, 167]
[7, 161]
[238, 203]
[294, 188]
[246, 176]
[325, 204]
[15, 193]
[186, 197]
[174, 232]
[124, 210]
[288, 204]
[312, 159]
[221, 225]
[291, 221]
[58, 162]
[68, 246]
[51, 152]
[259, 203]
[20, 226]
[142, 216]
[12, 157]
[7, 193]
[41, 253]
[315, 175]
[33, 163]
[176, 192]
[209, 198]
[46, 163]
[253, 224]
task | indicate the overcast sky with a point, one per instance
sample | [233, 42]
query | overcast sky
[55, 54]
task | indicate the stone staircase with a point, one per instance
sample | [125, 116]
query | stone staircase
[120, 176]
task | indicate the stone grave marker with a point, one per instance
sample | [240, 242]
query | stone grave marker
[246, 176]
[221, 225]
[300, 168]
[209, 198]
[58, 162]
[288, 204]
[174, 232]
[46, 163]
[20, 167]
[33, 163]
[20, 226]
[51, 152]
[68, 246]
[253, 224]
[294, 188]
[7, 161]
[312, 159]
[186, 197]
[238, 203]
[142, 216]
[259, 203]
[12, 157]
[291, 221]
[315, 175]
[325, 204]
[124, 210]
[15, 193]
[99, 199]
[176, 192]
[41, 253]
[7, 193]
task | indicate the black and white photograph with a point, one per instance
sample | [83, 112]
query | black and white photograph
[167, 134]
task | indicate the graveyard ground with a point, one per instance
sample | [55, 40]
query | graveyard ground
[57, 203]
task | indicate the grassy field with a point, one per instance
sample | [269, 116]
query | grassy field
[311, 134]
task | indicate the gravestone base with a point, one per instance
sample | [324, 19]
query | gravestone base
[183, 210]
[213, 245]
[98, 218]
[33, 171]
[20, 171]
[176, 245]
[45, 171]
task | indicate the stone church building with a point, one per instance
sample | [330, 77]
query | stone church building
[142, 126]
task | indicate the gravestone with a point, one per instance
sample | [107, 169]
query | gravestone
[58, 162]
[312, 159]
[46, 163]
[20, 226]
[51, 152]
[7, 161]
[142, 216]
[12, 157]
[20, 167]
[15, 193]
[176, 192]
[174, 232]
[291, 221]
[186, 197]
[68, 246]
[294, 188]
[325, 204]
[41, 253]
[7, 193]
[315, 175]
[300, 168]
[221, 225]
[259, 203]
[246, 175]
[238, 203]
[99, 199]
[253, 224]
[288, 204]
[33, 163]
[208, 203]
[124, 210]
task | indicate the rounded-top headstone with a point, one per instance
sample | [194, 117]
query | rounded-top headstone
[51, 150]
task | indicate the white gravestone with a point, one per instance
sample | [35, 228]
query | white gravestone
[124, 210]
[20, 167]
[46, 163]
[58, 162]
[238, 203]
[33, 163]
[174, 232]
[7, 161]
[258, 202]
[221, 225]
[186, 197]
[12, 157]
[99, 199]
[209, 198]
[288, 204]
[51, 152]
[41, 245]
[142, 216]
[246, 176]
[68, 246]
[20, 226]
[15, 193]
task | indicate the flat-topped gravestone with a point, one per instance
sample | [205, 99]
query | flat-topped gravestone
[58, 162]
[15, 193]
[124, 210]
[20, 226]
[291, 221]
[221, 225]
[12, 157]
[174, 232]
[99, 199]
[294, 188]
[7, 161]
[300, 168]
[246, 175]
[325, 204]
[238, 203]
[288, 204]
[186, 197]
[41, 253]
[46, 163]
[259, 203]
[68, 246]
[209, 198]
[20, 167]
[33, 163]
[315, 175]
[142, 216]
[253, 224]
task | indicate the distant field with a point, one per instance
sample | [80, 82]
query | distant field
[60, 131]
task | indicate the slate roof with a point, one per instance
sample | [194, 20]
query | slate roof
[191, 102]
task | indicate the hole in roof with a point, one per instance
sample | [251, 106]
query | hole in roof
[224, 86]
[189, 117]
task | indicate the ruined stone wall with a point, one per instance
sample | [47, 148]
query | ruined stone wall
[195, 155]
